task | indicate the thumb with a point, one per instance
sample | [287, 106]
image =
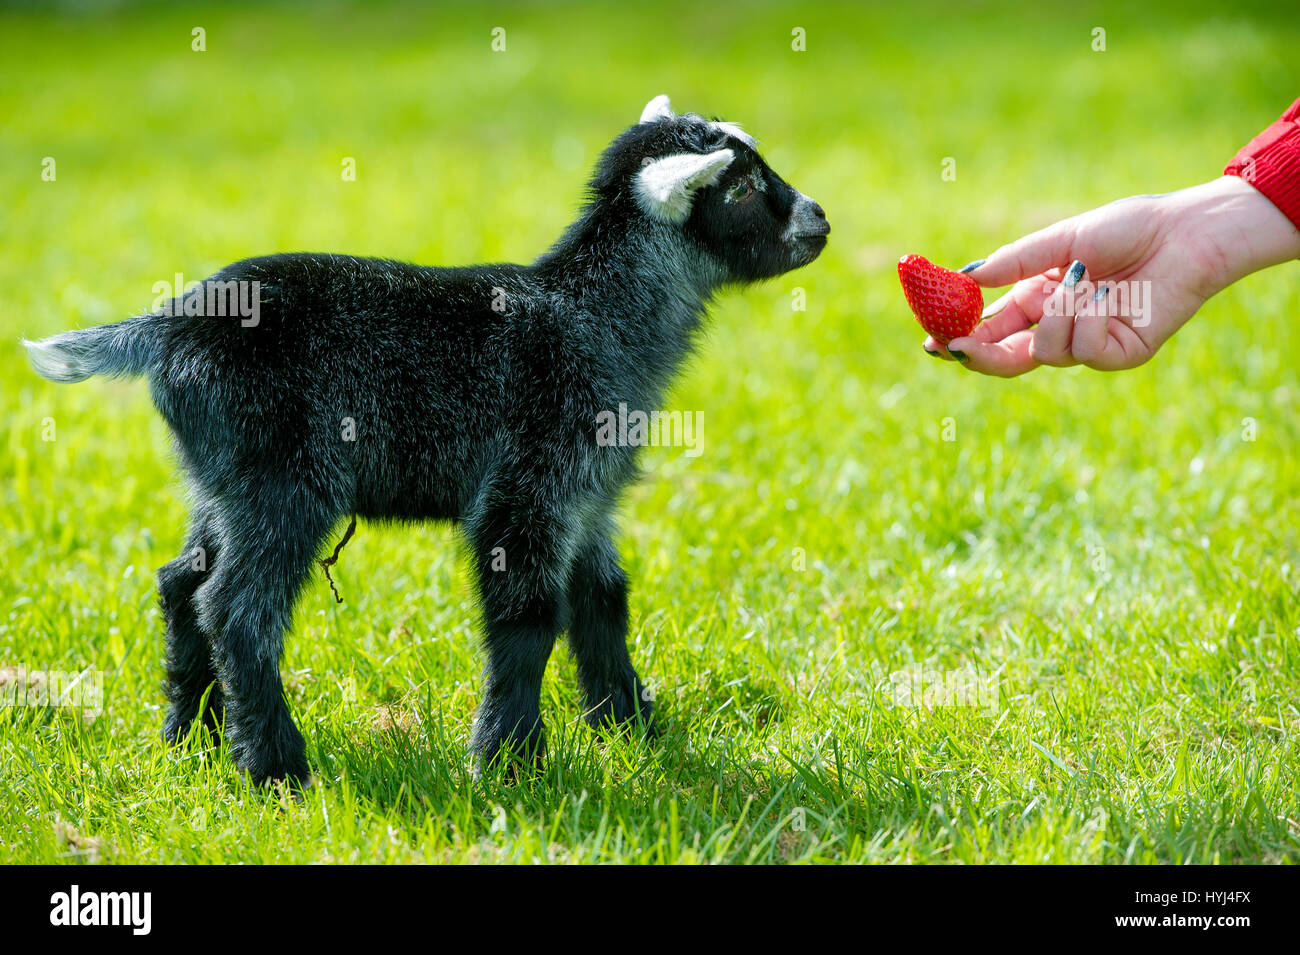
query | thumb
[1031, 255]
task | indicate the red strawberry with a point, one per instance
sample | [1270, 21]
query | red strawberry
[946, 303]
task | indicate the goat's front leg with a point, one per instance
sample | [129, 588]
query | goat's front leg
[519, 563]
[614, 693]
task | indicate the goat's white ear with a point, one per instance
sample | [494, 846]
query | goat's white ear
[657, 109]
[666, 187]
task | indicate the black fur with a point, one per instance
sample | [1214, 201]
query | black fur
[463, 411]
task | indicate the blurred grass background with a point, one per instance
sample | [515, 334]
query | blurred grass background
[1109, 549]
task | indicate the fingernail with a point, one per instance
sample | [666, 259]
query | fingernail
[972, 266]
[1097, 307]
[929, 352]
[961, 356]
[1073, 274]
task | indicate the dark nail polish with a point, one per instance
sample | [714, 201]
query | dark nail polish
[1099, 306]
[972, 266]
[961, 356]
[929, 352]
[1073, 274]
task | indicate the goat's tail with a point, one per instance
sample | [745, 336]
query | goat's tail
[132, 347]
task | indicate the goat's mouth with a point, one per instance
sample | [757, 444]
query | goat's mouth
[809, 245]
[807, 224]
[810, 235]
[817, 230]
[812, 238]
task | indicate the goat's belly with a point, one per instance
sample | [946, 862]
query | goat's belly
[414, 505]
[401, 485]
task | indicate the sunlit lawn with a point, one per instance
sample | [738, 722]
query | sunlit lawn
[1110, 555]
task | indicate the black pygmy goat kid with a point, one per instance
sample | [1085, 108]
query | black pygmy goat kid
[384, 390]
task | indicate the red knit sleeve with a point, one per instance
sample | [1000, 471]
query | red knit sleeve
[1271, 163]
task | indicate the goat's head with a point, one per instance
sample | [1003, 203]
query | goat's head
[706, 179]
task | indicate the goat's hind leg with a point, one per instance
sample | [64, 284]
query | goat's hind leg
[190, 674]
[266, 555]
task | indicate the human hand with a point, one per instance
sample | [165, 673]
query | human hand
[1108, 287]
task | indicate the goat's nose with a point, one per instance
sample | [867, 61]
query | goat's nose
[819, 220]
[808, 218]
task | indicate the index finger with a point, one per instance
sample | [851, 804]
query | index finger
[1029, 255]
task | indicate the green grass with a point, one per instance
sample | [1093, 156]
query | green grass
[1107, 549]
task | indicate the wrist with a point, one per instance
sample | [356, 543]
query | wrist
[1239, 230]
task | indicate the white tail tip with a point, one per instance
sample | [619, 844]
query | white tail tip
[54, 362]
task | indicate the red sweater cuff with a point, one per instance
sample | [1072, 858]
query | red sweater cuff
[1271, 163]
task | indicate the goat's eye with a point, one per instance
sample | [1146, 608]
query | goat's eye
[742, 191]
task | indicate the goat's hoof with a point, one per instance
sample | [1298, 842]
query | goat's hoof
[291, 789]
[271, 756]
[296, 778]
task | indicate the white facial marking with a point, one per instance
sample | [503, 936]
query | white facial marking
[666, 187]
[657, 109]
[731, 129]
[798, 222]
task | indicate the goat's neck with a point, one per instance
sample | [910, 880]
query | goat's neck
[650, 285]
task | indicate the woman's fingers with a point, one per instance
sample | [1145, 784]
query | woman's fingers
[1055, 330]
[1020, 308]
[934, 349]
[1105, 342]
[1028, 256]
[1091, 335]
[1007, 343]
[988, 348]
[1000, 344]
[1071, 325]
[1006, 357]
[1014, 311]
